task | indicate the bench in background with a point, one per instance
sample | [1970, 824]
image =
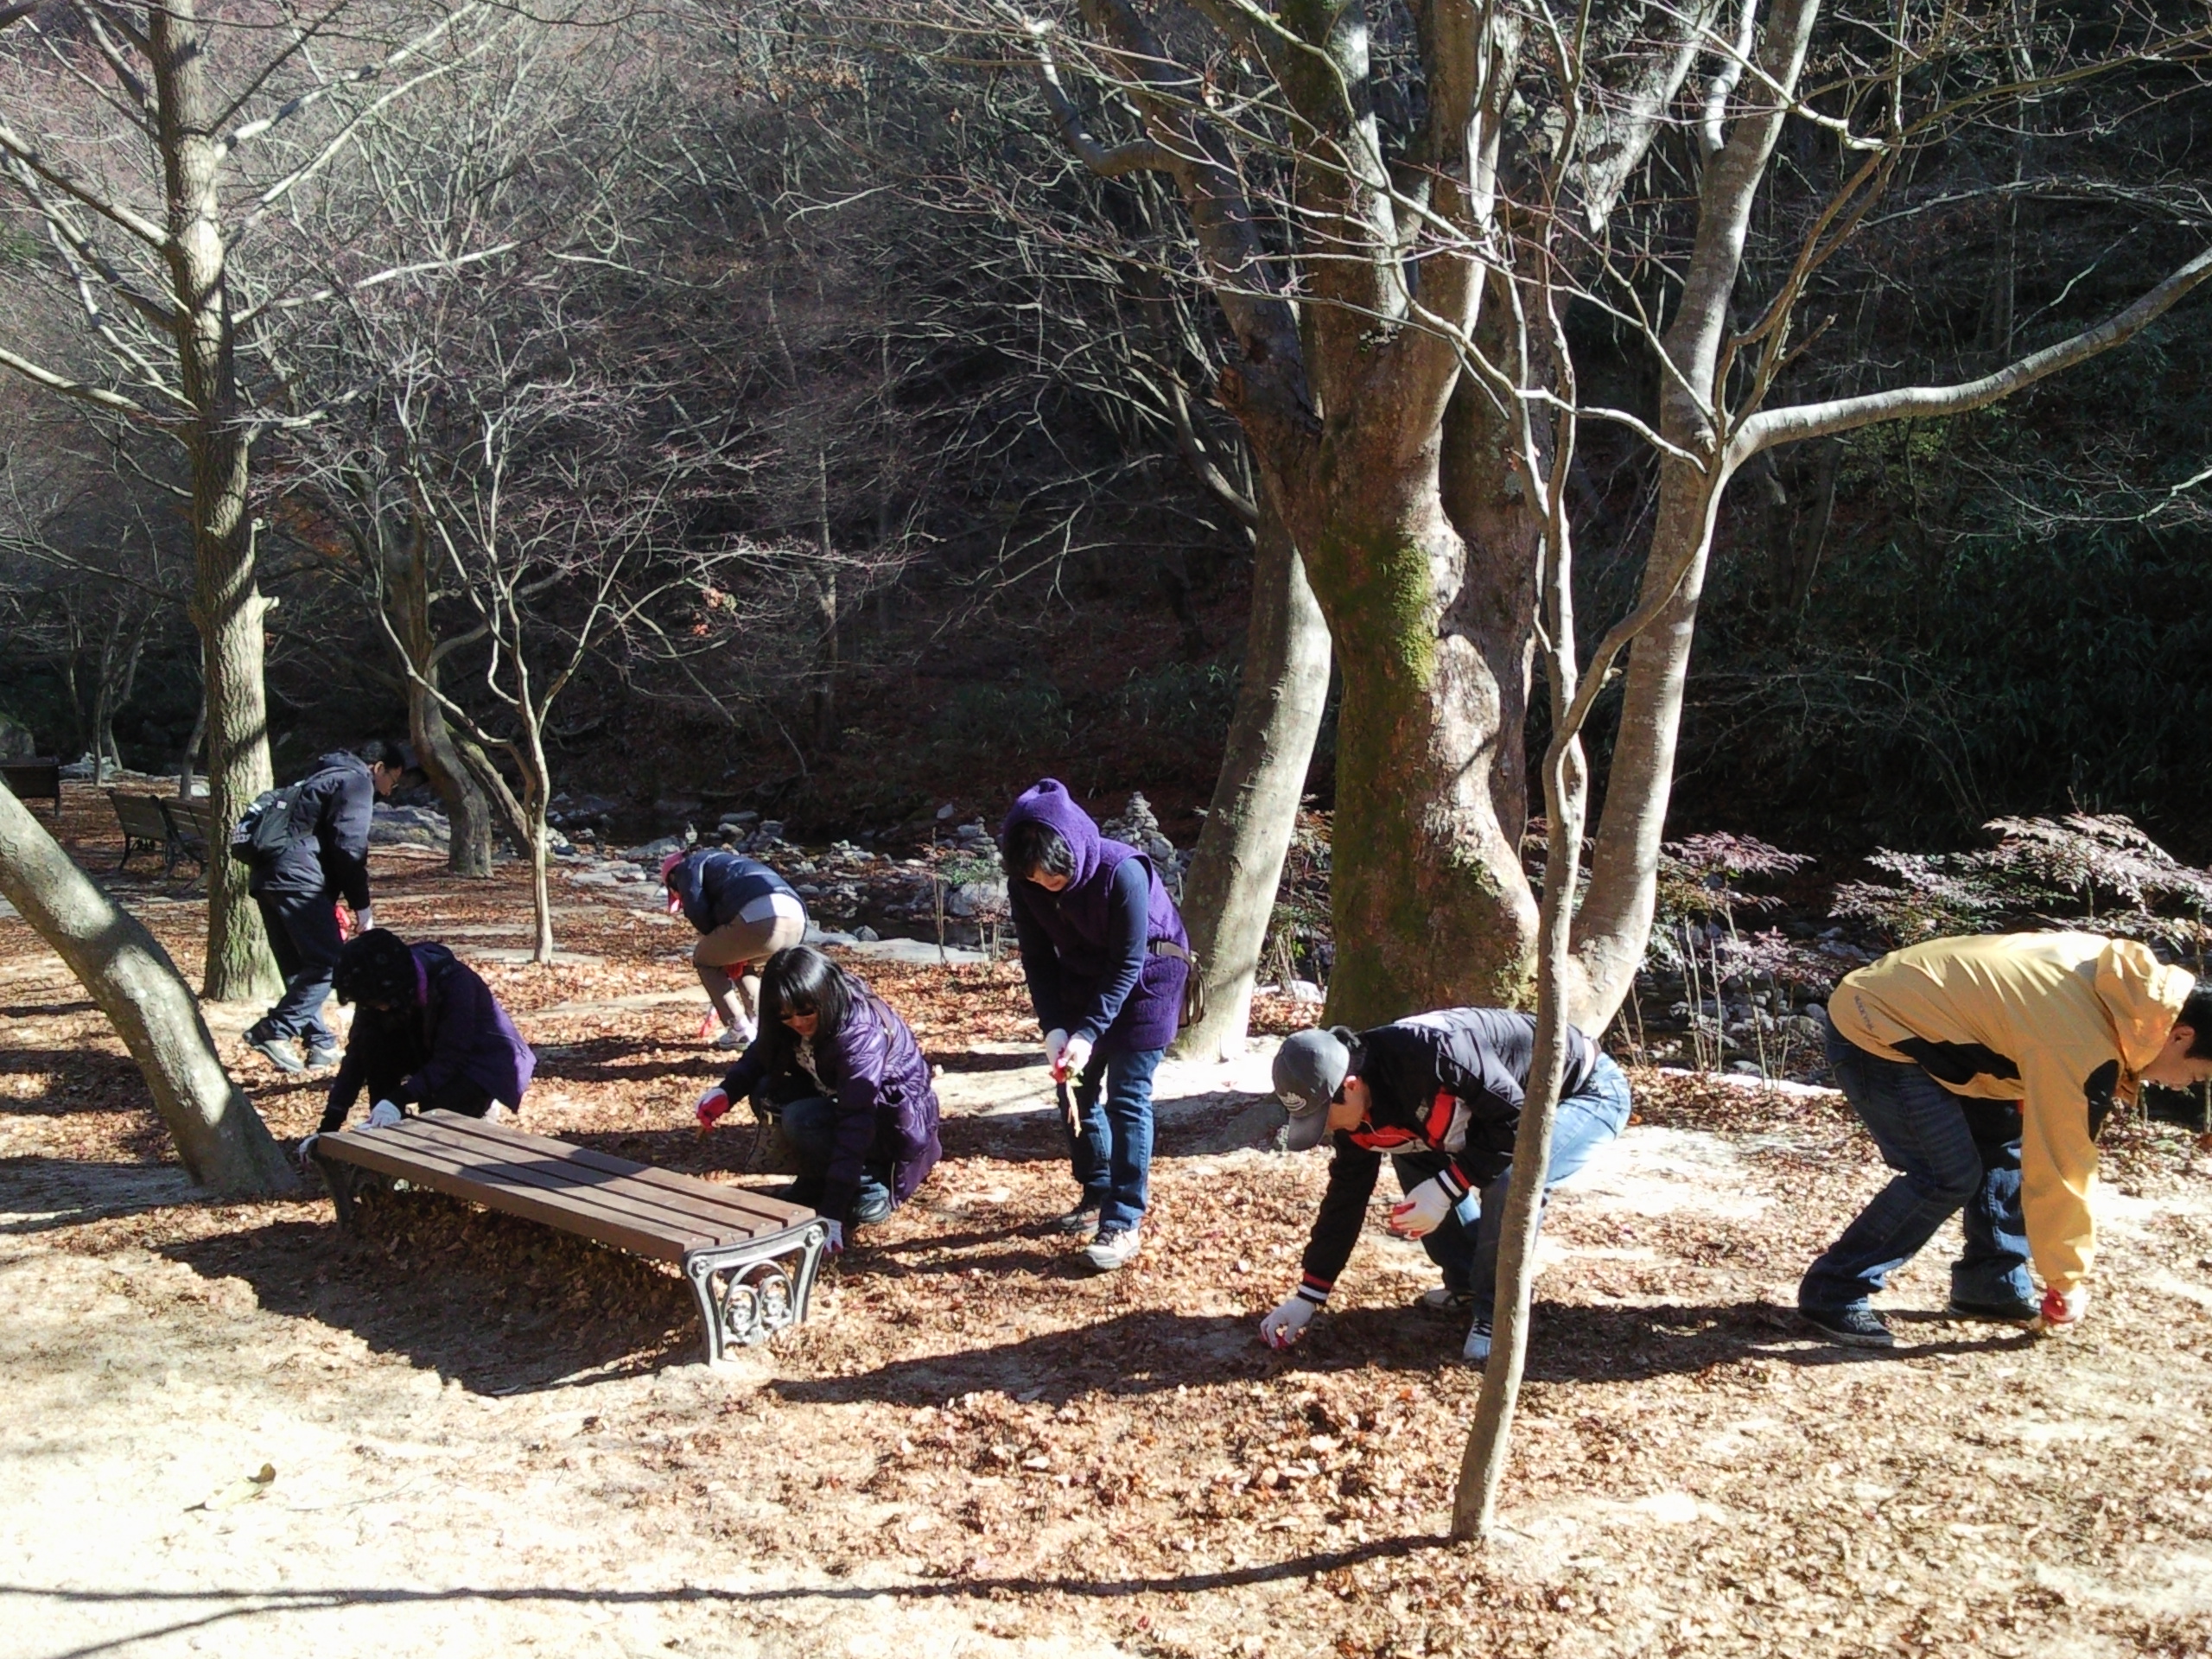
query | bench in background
[38, 778]
[191, 828]
[145, 828]
[750, 1260]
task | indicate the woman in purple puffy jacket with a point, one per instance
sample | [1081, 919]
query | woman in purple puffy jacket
[844, 1075]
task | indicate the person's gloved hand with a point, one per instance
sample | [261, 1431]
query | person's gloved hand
[384, 1115]
[2062, 1309]
[363, 921]
[1055, 1042]
[1423, 1211]
[306, 1155]
[675, 902]
[712, 1105]
[836, 1245]
[1288, 1322]
[1073, 1058]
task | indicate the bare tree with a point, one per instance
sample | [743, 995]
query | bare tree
[160, 149]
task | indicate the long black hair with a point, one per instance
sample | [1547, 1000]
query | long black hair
[799, 979]
[377, 969]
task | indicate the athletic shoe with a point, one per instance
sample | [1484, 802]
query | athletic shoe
[1855, 1327]
[1083, 1220]
[732, 1038]
[1477, 1352]
[2013, 1312]
[1442, 1298]
[321, 1059]
[277, 1051]
[1111, 1251]
[874, 1208]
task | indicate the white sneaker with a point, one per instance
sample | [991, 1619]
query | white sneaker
[1477, 1351]
[1112, 1251]
[732, 1038]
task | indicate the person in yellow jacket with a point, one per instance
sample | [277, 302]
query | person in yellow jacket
[1984, 1068]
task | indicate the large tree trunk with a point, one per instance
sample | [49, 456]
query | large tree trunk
[469, 814]
[220, 1140]
[1230, 891]
[1429, 904]
[227, 607]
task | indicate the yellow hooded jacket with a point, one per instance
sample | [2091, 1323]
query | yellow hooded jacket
[2062, 1023]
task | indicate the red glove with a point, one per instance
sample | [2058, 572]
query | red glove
[2062, 1309]
[712, 1105]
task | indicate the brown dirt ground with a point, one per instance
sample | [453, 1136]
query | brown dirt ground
[490, 1438]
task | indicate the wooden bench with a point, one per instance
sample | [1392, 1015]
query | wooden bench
[145, 828]
[38, 778]
[191, 828]
[751, 1261]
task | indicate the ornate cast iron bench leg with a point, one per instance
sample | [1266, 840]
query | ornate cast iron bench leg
[749, 1291]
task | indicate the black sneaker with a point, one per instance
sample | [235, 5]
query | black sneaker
[1442, 1298]
[2006, 1312]
[1082, 1219]
[321, 1059]
[277, 1051]
[1855, 1327]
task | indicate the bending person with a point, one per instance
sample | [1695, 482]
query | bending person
[745, 913]
[1441, 1094]
[841, 1070]
[1984, 1068]
[428, 1033]
[1104, 952]
[324, 858]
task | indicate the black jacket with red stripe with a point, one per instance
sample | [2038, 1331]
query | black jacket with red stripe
[1450, 1082]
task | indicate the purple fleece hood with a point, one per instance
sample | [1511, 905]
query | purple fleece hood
[1077, 921]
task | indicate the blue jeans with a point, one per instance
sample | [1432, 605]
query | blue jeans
[1950, 1154]
[1468, 1253]
[303, 938]
[811, 1126]
[1112, 1158]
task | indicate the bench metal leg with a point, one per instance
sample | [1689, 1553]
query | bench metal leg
[749, 1291]
[346, 1183]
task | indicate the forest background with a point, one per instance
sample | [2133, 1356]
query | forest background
[905, 422]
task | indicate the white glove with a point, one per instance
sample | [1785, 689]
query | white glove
[1056, 1043]
[1073, 1058]
[384, 1115]
[2062, 1309]
[306, 1153]
[1288, 1323]
[836, 1245]
[712, 1105]
[362, 921]
[1423, 1211]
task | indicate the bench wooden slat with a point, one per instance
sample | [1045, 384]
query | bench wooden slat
[698, 1211]
[763, 1213]
[533, 1195]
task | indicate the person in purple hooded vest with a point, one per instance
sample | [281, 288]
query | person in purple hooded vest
[836, 1063]
[1106, 957]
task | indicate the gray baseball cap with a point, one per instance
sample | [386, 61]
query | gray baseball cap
[1310, 1067]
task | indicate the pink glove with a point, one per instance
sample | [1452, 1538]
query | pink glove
[712, 1105]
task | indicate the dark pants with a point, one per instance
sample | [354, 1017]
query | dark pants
[1586, 1119]
[811, 1126]
[303, 932]
[1950, 1154]
[1112, 1158]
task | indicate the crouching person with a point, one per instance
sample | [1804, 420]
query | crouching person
[744, 912]
[427, 1034]
[1440, 1093]
[844, 1073]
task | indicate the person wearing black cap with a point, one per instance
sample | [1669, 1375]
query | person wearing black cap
[325, 858]
[1441, 1093]
[426, 1033]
